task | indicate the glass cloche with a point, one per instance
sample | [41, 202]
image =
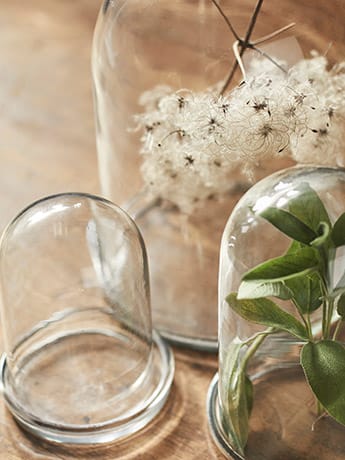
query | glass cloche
[179, 141]
[81, 363]
[280, 389]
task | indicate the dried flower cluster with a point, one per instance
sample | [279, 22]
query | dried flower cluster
[197, 145]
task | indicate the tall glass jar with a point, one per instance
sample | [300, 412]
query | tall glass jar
[280, 320]
[144, 51]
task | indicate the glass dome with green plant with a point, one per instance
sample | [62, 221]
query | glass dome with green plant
[305, 275]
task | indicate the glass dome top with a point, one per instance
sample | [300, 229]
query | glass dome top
[81, 361]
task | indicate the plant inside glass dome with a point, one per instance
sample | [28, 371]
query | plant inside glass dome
[304, 275]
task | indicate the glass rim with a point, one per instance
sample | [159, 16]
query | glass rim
[97, 433]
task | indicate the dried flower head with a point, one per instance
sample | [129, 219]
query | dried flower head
[195, 144]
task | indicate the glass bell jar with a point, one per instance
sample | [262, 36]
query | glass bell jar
[81, 363]
[180, 139]
[280, 389]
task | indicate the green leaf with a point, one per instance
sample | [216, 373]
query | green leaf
[298, 285]
[238, 397]
[341, 306]
[267, 313]
[295, 246]
[289, 224]
[324, 367]
[306, 291]
[284, 266]
[270, 278]
[257, 289]
[338, 232]
[240, 403]
[308, 207]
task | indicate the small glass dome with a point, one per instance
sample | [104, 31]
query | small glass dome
[81, 363]
[281, 285]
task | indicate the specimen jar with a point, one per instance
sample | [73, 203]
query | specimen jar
[280, 306]
[162, 156]
[81, 363]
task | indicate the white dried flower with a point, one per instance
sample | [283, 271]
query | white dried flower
[193, 144]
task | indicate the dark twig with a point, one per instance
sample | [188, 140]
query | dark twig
[267, 56]
[273, 34]
[227, 20]
[243, 44]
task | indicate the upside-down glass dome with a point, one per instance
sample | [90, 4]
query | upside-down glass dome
[81, 363]
[281, 292]
[179, 141]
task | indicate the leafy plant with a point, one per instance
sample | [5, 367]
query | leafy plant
[303, 275]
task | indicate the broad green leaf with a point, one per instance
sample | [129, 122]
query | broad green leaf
[295, 246]
[270, 278]
[308, 207]
[267, 313]
[257, 289]
[338, 232]
[238, 397]
[324, 367]
[306, 291]
[230, 367]
[230, 363]
[284, 266]
[240, 404]
[289, 224]
[341, 306]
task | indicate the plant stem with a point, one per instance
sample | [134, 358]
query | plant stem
[267, 332]
[254, 346]
[324, 306]
[327, 314]
[306, 321]
[337, 329]
[309, 329]
[243, 45]
[330, 316]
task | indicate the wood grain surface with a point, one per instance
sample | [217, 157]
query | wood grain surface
[47, 145]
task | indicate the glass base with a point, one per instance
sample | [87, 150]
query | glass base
[284, 424]
[208, 345]
[214, 421]
[87, 411]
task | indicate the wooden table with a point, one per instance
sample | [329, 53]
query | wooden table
[47, 145]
